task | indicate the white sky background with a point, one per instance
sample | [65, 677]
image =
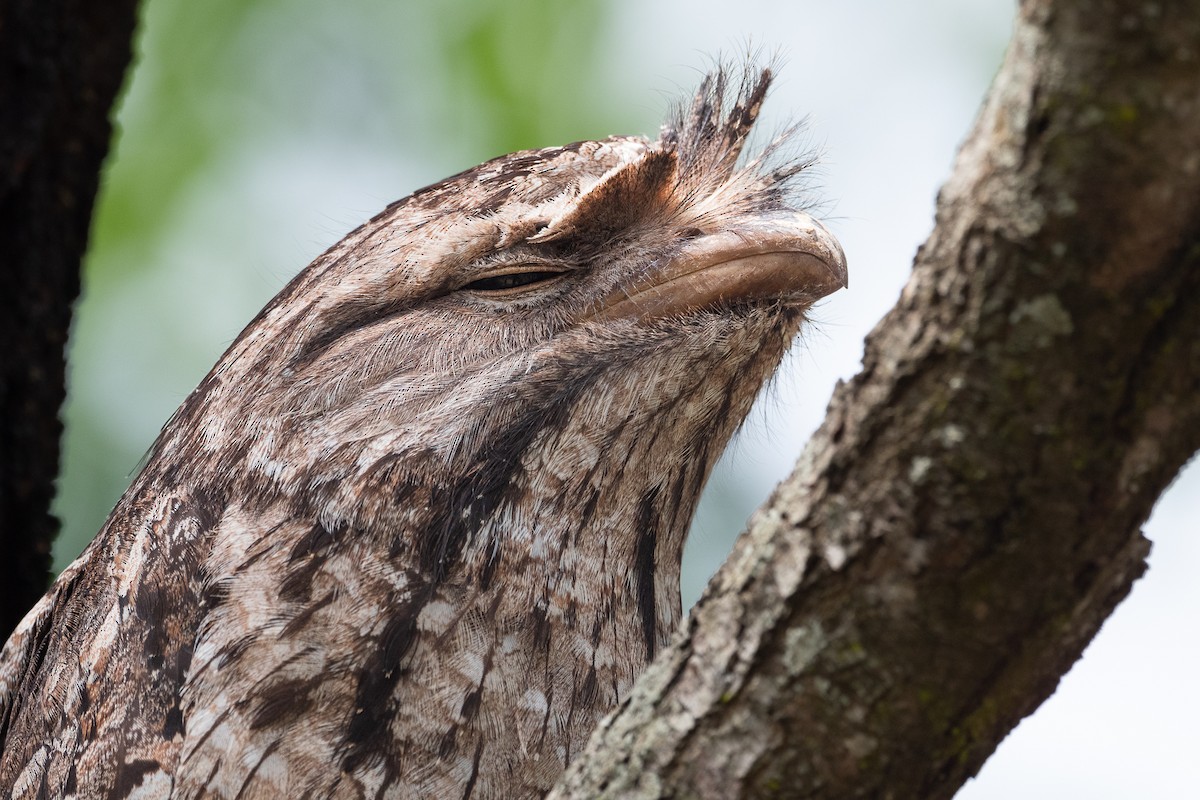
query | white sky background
[890, 89]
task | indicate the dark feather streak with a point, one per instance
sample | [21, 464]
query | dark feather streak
[282, 702]
[645, 567]
[366, 734]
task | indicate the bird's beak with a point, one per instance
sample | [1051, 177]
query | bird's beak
[790, 258]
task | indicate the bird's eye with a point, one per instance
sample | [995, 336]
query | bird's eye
[507, 283]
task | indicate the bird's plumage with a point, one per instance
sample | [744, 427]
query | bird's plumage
[420, 528]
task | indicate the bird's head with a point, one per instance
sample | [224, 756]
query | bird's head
[554, 323]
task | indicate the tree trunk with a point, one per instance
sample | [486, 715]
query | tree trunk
[61, 63]
[968, 514]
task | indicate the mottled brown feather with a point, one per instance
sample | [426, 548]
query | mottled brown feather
[412, 537]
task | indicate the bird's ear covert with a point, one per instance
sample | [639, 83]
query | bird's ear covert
[627, 194]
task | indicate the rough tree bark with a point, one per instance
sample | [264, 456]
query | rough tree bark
[968, 514]
[61, 63]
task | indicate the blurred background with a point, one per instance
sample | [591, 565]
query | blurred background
[254, 134]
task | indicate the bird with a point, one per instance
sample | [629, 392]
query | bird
[420, 528]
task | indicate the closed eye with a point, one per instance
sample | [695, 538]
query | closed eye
[514, 281]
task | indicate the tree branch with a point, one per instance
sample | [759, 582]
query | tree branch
[968, 514]
[61, 63]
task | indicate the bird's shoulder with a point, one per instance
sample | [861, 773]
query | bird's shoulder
[90, 679]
